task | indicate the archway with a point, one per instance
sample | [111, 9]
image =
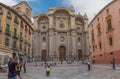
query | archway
[44, 54]
[62, 53]
[79, 54]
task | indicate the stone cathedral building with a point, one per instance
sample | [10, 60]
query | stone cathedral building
[60, 34]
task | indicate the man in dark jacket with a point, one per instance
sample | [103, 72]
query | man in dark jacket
[12, 70]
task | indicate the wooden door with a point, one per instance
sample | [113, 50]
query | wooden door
[79, 54]
[62, 54]
[44, 55]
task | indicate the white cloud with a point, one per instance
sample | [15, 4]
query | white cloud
[9, 2]
[14, 2]
[91, 7]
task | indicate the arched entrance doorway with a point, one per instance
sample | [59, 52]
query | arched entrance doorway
[44, 54]
[79, 54]
[62, 54]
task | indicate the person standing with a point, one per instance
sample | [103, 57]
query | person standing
[11, 69]
[24, 67]
[18, 69]
[48, 69]
[113, 64]
[89, 65]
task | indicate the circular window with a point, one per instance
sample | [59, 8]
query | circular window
[61, 25]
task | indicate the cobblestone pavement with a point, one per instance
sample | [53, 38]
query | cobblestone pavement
[74, 72]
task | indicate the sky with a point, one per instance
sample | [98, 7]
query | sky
[90, 7]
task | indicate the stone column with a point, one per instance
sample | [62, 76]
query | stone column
[51, 42]
[73, 43]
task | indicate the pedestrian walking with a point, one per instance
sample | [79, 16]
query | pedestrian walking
[89, 65]
[48, 69]
[113, 64]
[18, 69]
[46, 63]
[24, 67]
[11, 69]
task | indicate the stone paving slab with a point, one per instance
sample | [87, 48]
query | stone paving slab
[76, 72]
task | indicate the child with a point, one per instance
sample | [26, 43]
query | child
[48, 68]
[18, 69]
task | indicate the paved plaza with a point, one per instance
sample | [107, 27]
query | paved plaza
[70, 72]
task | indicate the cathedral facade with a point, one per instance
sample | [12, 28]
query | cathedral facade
[60, 34]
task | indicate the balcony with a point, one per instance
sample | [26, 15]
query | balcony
[8, 33]
[0, 29]
[25, 50]
[9, 17]
[21, 39]
[16, 21]
[15, 36]
[25, 41]
[29, 44]
[14, 47]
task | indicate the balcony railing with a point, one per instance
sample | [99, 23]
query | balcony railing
[14, 47]
[9, 16]
[8, 33]
[15, 36]
[29, 44]
[25, 41]
[16, 21]
[21, 39]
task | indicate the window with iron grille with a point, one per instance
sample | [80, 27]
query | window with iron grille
[15, 31]
[6, 41]
[20, 46]
[16, 19]
[110, 41]
[100, 45]
[20, 35]
[14, 44]
[9, 15]
[109, 25]
[8, 28]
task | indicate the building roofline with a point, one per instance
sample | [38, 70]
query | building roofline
[101, 11]
[21, 3]
[11, 9]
